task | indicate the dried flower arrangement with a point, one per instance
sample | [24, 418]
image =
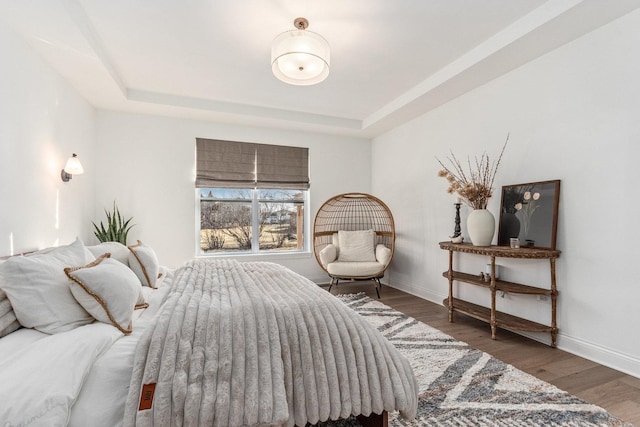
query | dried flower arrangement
[474, 187]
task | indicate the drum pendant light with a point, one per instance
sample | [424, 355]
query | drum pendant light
[300, 57]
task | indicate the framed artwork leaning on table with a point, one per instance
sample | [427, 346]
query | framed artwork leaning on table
[529, 212]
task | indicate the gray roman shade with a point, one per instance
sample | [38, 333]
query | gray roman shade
[284, 168]
[230, 164]
[226, 164]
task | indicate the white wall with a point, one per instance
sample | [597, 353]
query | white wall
[147, 164]
[42, 122]
[573, 115]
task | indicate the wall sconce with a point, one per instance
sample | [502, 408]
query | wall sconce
[73, 167]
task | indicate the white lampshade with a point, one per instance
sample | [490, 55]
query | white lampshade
[300, 57]
[73, 166]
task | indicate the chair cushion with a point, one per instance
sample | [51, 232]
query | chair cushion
[356, 246]
[336, 243]
[383, 254]
[355, 269]
[328, 254]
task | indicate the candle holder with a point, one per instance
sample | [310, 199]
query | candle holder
[457, 232]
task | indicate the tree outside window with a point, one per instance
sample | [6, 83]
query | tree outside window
[251, 221]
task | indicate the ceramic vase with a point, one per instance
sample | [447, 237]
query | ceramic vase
[481, 226]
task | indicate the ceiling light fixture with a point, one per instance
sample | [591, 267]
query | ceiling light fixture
[300, 57]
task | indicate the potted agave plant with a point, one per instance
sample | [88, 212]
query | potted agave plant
[117, 228]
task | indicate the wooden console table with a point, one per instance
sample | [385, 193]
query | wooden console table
[489, 314]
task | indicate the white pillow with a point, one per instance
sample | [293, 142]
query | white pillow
[39, 290]
[108, 290]
[5, 305]
[356, 245]
[383, 254]
[328, 254]
[8, 321]
[12, 327]
[144, 262]
[118, 251]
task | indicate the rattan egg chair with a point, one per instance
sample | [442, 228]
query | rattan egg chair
[341, 216]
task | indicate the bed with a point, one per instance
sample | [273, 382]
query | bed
[213, 343]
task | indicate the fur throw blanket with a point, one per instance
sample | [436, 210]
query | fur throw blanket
[244, 344]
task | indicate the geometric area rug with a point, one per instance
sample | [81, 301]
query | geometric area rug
[463, 386]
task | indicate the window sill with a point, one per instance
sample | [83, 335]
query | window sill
[265, 256]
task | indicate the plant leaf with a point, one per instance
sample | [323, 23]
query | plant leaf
[117, 228]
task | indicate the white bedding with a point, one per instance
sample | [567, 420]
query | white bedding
[41, 378]
[104, 393]
[77, 378]
[81, 377]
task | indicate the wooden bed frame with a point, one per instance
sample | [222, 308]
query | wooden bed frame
[6, 257]
[374, 420]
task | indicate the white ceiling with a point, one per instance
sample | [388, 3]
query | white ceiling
[391, 60]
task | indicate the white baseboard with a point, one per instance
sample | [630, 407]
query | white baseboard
[418, 291]
[605, 356]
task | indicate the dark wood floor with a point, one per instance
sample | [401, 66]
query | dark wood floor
[618, 393]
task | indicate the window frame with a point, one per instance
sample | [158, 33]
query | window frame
[255, 224]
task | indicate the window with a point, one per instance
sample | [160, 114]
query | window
[251, 198]
[237, 220]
